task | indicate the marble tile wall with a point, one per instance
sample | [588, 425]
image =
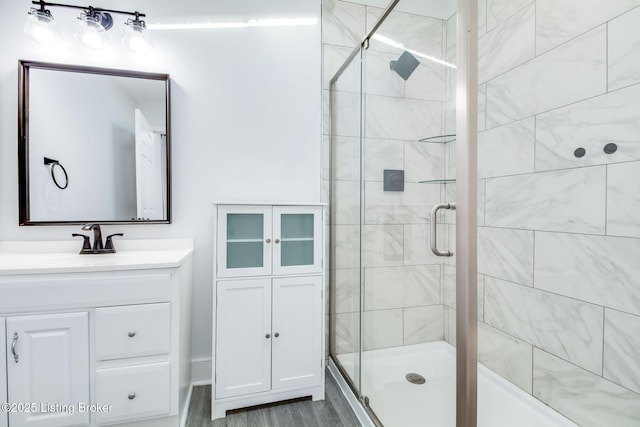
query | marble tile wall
[495, 56]
[570, 200]
[590, 124]
[624, 50]
[560, 21]
[549, 80]
[507, 150]
[563, 326]
[558, 248]
[507, 355]
[582, 396]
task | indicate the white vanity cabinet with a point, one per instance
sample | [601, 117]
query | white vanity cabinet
[96, 340]
[269, 312]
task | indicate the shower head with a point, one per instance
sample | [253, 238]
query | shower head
[405, 65]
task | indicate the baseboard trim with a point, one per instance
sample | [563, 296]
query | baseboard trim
[187, 406]
[201, 371]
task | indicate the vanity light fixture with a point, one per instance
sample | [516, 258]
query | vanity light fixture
[40, 26]
[136, 36]
[93, 27]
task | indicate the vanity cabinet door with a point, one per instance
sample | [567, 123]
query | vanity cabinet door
[297, 332]
[243, 337]
[297, 237]
[3, 381]
[244, 242]
[48, 364]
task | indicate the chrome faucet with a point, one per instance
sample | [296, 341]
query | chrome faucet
[98, 247]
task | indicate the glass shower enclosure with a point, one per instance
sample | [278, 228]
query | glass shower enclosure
[557, 216]
[392, 141]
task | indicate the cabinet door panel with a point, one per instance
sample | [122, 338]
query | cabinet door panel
[51, 366]
[297, 233]
[244, 241]
[3, 379]
[297, 322]
[243, 350]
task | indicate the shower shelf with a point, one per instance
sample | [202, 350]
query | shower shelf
[440, 139]
[438, 181]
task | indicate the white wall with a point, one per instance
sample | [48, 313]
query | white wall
[246, 117]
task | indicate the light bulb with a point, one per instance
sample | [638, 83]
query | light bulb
[136, 36]
[91, 33]
[41, 27]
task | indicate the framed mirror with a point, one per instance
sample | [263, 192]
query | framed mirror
[93, 145]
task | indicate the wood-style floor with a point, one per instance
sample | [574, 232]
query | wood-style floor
[333, 411]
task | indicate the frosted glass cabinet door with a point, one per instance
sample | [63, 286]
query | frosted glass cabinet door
[297, 237]
[244, 246]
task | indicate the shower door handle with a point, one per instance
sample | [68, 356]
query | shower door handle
[434, 228]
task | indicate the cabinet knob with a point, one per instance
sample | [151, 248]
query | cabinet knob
[132, 396]
[132, 334]
[268, 240]
[267, 336]
[277, 240]
[277, 334]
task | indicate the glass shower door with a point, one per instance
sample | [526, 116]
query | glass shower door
[408, 362]
[345, 222]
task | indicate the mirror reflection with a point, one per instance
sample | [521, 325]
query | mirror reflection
[96, 145]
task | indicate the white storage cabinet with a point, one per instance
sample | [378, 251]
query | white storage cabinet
[268, 299]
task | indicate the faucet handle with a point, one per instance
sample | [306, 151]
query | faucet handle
[86, 245]
[109, 243]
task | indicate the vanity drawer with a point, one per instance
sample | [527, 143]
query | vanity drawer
[133, 331]
[73, 290]
[133, 392]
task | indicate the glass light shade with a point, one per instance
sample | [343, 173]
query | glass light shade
[91, 33]
[136, 37]
[41, 27]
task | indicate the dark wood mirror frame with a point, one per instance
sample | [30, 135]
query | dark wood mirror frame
[23, 138]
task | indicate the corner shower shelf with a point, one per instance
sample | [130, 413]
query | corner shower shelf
[437, 181]
[440, 139]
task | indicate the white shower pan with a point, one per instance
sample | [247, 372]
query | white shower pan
[399, 403]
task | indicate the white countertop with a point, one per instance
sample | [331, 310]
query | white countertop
[37, 257]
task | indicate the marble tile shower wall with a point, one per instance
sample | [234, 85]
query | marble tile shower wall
[402, 280]
[559, 235]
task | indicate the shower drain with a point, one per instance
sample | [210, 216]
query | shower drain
[415, 378]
